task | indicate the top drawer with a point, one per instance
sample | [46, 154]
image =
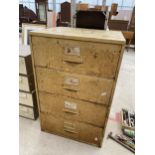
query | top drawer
[89, 58]
[25, 65]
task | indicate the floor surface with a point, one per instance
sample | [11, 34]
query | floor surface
[35, 142]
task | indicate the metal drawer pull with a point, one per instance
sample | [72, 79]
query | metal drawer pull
[70, 111]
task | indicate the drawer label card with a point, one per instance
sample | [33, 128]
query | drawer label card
[71, 81]
[70, 105]
[74, 51]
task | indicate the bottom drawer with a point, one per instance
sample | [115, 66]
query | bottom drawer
[72, 129]
[27, 112]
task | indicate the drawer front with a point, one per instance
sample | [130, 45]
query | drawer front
[22, 66]
[73, 85]
[26, 112]
[26, 83]
[71, 129]
[77, 57]
[72, 109]
[26, 98]
[25, 65]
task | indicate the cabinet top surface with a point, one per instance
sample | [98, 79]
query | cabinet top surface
[115, 37]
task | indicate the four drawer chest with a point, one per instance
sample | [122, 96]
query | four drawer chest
[27, 96]
[75, 75]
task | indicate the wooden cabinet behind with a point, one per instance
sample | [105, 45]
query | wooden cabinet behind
[75, 74]
[27, 96]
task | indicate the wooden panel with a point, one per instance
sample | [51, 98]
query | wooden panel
[27, 112]
[77, 57]
[25, 65]
[74, 85]
[72, 129]
[120, 25]
[26, 83]
[112, 37]
[73, 109]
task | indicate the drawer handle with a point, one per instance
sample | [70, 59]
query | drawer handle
[73, 61]
[71, 88]
[70, 111]
[70, 130]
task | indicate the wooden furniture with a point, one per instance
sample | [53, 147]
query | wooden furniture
[132, 26]
[128, 35]
[101, 8]
[113, 10]
[27, 95]
[65, 14]
[41, 10]
[121, 25]
[75, 75]
[26, 28]
[26, 15]
[82, 6]
[91, 19]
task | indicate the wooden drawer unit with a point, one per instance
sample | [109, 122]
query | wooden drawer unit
[25, 65]
[76, 72]
[26, 83]
[27, 98]
[74, 85]
[77, 57]
[72, 129]
[73, 109]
